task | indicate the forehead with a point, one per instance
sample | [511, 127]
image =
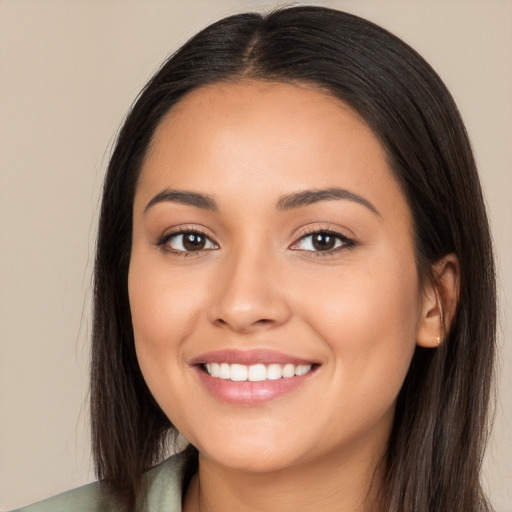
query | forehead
[265, 138]
[255, 107]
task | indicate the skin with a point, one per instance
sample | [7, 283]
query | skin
[358, 310]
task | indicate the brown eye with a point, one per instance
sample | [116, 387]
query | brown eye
[194, 242]
[190, 241]
[323, 241]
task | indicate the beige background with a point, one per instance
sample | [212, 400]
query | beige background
[68, 72]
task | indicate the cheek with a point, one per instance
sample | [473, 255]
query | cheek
[368, 317]
[164, 308]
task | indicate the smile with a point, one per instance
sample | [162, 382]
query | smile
[252, 377]
[256, 372]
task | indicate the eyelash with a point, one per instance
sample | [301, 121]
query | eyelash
[346, 242]
[164, 240]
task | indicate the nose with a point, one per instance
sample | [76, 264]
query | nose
[249, 294]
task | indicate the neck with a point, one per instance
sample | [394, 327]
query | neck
[347, 482]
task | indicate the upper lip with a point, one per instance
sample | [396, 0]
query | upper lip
[248, 357]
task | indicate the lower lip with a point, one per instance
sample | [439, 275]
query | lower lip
[250, 393]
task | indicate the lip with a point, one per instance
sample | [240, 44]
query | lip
[249, 393]
[248, 357]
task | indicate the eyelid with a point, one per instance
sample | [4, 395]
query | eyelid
[348, 242]
[183, 230]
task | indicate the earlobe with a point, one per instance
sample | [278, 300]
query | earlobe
[439, 304]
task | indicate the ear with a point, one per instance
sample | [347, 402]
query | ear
[440, 298]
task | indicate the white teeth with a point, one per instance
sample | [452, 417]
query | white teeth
[274, 372]
[256, 372]
[215, 370]
[302, 369]
[288, 371]
[225, 371]
[238, 372]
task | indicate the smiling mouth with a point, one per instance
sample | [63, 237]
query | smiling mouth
[256, 372]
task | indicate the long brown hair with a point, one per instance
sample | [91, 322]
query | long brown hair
[437, 441]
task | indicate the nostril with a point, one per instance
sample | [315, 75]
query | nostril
[244, 325]
[243, 313]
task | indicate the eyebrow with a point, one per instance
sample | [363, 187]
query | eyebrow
[202, 201]
[307, 197]
[287, 202]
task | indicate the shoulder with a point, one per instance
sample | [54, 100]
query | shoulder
[163, 493]
[88, 498]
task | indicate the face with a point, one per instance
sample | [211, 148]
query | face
[273, 287]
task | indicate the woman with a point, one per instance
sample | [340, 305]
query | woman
[294, 271]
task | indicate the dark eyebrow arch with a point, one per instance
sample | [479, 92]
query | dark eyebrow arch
[307, 197]
[202, 201]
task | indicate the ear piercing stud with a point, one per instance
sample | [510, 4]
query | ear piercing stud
[438, 340]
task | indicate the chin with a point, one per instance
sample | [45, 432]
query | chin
[252, 461]
[253, 454]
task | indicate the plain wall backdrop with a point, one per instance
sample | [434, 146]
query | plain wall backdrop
[69, 70]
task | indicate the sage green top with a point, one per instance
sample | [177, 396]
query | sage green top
[164, 483]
